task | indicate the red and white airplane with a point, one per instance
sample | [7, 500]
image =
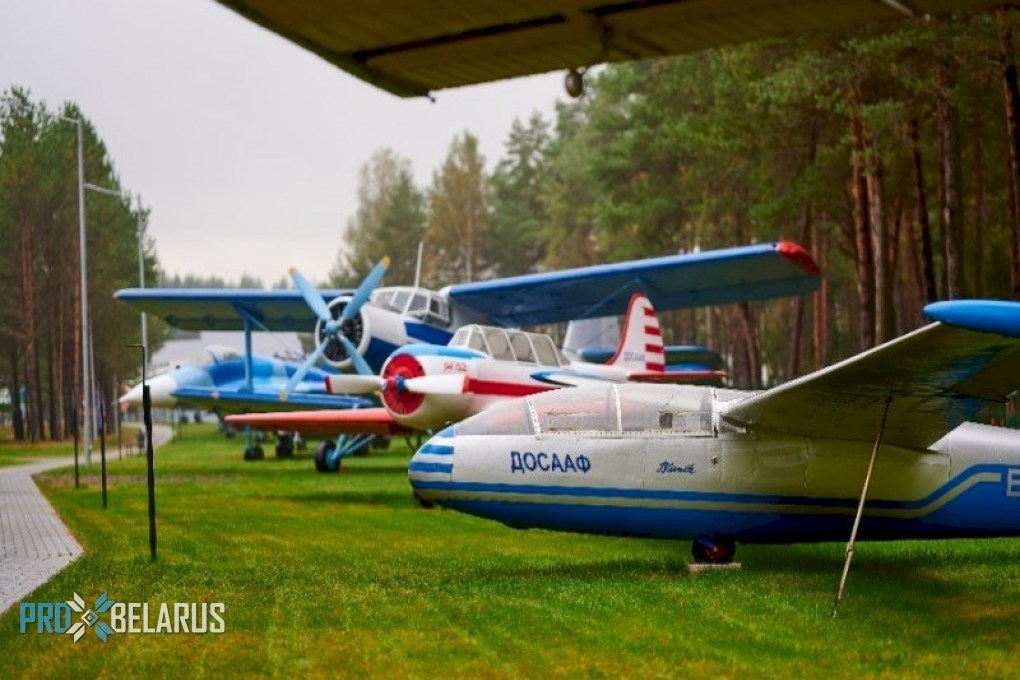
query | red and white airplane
[426, 387]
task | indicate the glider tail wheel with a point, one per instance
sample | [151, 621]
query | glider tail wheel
[340, 327]
[713, 550]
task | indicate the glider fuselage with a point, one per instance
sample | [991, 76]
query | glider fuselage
[677, 472]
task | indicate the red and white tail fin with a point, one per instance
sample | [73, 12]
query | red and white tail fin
[640, 345]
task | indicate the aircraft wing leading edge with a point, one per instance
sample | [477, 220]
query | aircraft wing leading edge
[938, 377]
[716, 277]
[377, 421]
[224, 309]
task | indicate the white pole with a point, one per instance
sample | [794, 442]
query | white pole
[141, 270]
[86, 350]
[417, 269]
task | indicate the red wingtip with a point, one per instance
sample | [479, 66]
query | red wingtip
[800, 257]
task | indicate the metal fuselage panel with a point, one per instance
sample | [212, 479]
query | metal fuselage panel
[754, 488]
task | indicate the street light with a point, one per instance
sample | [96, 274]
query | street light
[142, 224]
[86, 383]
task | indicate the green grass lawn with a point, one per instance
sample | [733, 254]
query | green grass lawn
[343, 575]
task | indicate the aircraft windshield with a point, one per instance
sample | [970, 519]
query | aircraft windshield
[421, 303]
[508, 345]
[613, 410]
[214, 354]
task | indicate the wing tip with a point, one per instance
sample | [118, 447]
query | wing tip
[984, 316]
[799, 256]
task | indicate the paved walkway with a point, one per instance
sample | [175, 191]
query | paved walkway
[34, 543]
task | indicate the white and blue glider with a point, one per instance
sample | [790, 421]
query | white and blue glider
[785, 465]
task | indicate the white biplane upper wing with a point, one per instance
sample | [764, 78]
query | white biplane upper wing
[938, 377]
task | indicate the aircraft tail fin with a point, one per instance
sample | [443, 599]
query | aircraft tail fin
[640, 345]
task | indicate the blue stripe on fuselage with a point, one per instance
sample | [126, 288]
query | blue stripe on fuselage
[422, 332]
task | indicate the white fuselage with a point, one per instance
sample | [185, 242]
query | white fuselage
[685, 475]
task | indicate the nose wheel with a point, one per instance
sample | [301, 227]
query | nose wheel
[713, 550]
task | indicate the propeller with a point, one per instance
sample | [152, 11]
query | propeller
[353, 384]
[333, 329]
[436, 384]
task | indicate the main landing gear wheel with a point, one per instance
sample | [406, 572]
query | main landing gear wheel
[714, 550]
[254, 453]
[284, 446]
[323, 454]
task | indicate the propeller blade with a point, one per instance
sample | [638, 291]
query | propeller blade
[312, 296]
[365, 290]
[303, 369]
[436, 384]
[353, 384]
[360, 365]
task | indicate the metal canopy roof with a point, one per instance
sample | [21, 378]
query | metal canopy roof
[412, 47]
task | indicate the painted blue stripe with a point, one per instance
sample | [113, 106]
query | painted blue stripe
[422, 332]
[754, 526]
[415, 466]
[441, 351]
[448, 433]
[611, 492]
[437, 449]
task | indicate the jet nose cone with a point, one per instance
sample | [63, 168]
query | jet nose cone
[132, 397]
[161, 391]
[431, 466]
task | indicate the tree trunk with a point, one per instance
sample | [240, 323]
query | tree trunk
[1011, 96]
[862, 231]
[821, 310]
[28, 328]
[948, 117]
[927, 257]
[976, 264]
[17, 418]
[54, 407]
[793, 367]
[749, 326]
[879, 244]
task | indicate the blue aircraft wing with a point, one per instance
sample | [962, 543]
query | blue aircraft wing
[234, 400]
[937, 377]
[747, 273]
[225, 309]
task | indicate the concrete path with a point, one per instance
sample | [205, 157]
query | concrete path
[34, 543]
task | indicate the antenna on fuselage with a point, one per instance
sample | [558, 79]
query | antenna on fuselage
[417, 268]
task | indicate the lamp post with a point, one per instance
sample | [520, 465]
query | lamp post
[91, 396]
[86, 384]
[142, 223]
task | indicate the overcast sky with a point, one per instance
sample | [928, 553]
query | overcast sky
[245, 147]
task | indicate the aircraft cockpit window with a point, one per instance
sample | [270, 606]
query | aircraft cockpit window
[507, 418]
[383, 298]
[545, 350]
[437, 312]
[661, 408]
[522, 347]
[476, 341]
[419, 304]
[460, 338]
[574, 410]
[203, 358]
[400, 299]
[499, 346]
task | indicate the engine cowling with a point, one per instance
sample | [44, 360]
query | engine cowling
[357, 330]
[423, 410]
